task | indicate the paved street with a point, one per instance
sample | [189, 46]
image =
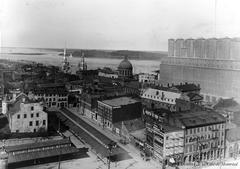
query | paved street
[91, 136]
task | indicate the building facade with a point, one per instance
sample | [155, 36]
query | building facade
[147, 78]
[26, 115]
[212, 63]
[117, 110]
[204, 134]
[53, 96]
[165, 142]
[164, 98]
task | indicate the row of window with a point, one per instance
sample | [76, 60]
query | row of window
[25, 115]
[51, 95]
[204, 137]
[162, 98]
[37, 123]
[205, 129]
[195, 147]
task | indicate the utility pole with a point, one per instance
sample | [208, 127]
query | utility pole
[59, 157]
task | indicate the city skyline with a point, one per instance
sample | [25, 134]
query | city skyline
[134, 25]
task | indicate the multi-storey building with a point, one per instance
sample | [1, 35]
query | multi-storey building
[26, 115]
[204, 134]
[118, 109]
[147, 78]
[53, 96]
[212, 63]
[161, 97]
[165, 142]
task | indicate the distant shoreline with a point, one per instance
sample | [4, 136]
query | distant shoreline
[119, 54]
[25, 53]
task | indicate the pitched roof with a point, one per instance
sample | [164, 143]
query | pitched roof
[14, 106]
[227, 103]
[194, 96]
[233, 134]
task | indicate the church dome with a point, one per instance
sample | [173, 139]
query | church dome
[125, 64]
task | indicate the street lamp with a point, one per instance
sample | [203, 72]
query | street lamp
[110, 147]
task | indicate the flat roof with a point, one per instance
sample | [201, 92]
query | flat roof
[168, 128]
[199, 118]
[120, 101]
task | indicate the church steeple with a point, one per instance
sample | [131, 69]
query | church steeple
[65, 63]
[82, 64]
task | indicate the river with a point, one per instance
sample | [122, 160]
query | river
[52, 57]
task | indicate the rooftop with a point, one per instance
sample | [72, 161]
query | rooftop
[186, 87]
[14, 106]
[198, 118]
[120, 101]
[168, 128]
[48, 143]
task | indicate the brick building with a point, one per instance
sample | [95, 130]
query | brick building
[117, 110]
[204, 134]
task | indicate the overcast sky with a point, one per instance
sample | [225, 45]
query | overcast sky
[114, 24]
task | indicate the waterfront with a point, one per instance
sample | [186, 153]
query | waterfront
[52, 57]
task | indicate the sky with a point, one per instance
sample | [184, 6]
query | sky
[114, 24]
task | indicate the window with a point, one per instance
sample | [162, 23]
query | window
[31, 115]
[32, 108]
[44, 122]
[37, 115]
[30, 123]
[18, 116]
[17, 131]
[37, 123]
[25, 116]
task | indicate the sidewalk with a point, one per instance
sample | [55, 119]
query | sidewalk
[133, 151]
